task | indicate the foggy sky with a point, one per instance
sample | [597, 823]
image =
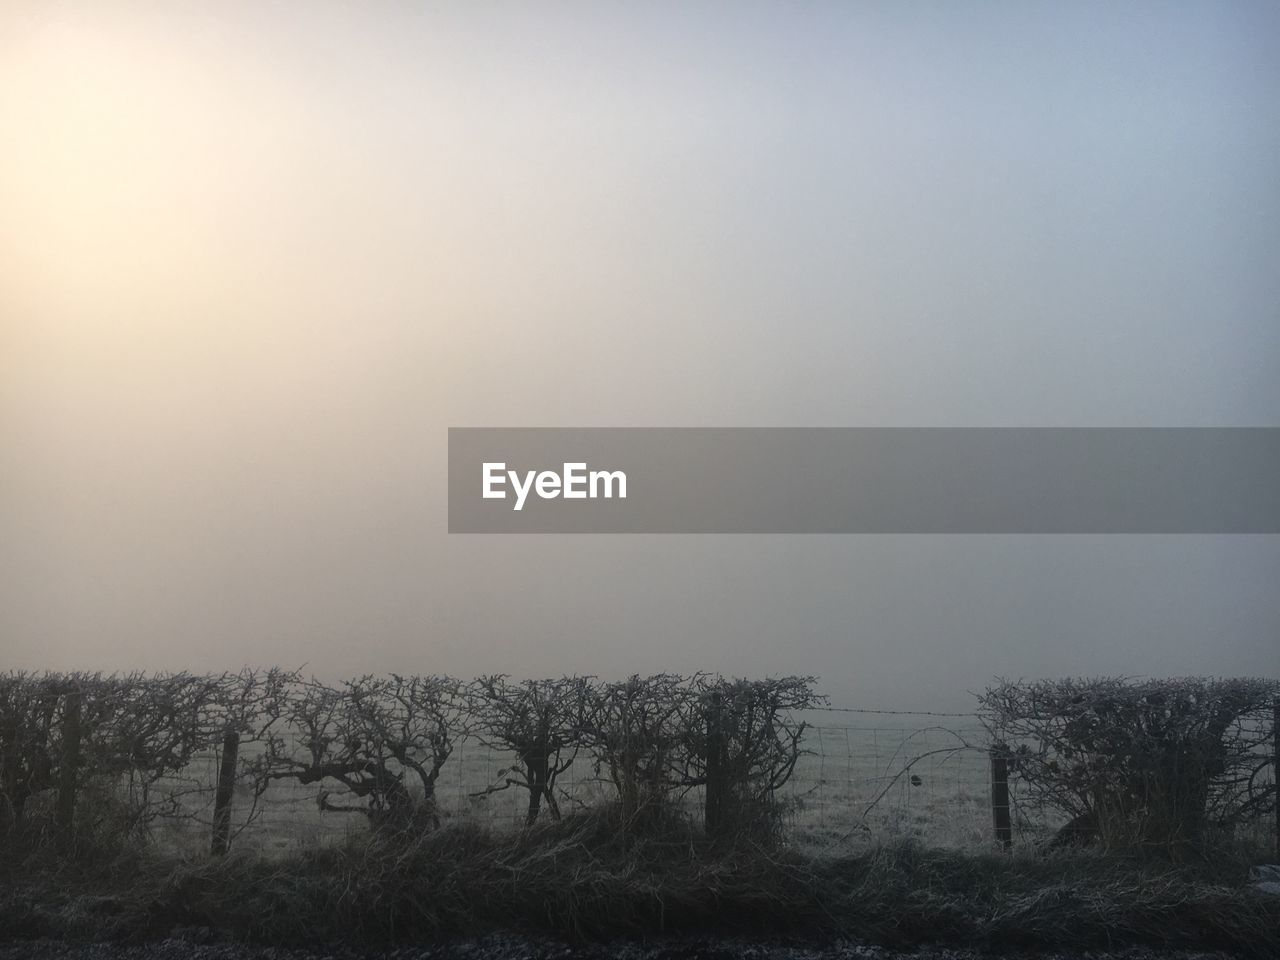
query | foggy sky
[255, 259]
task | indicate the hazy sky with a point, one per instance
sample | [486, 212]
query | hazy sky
[256, 258]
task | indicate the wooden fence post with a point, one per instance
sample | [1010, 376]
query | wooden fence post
[8, 775]
[226, 788]
[69, 762]
[714, 803]
[1000, 795]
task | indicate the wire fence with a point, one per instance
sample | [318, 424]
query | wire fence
[853, 784]
[861, 777]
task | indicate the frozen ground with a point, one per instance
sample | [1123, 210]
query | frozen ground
[512, 948]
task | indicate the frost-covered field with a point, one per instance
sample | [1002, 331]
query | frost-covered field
[853, 785]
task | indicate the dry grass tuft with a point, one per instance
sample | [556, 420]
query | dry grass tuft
[594, 876]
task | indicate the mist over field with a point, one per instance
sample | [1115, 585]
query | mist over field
[257, 259]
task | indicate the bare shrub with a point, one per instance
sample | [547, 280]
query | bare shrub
[30, 741]
[367, 738]
[542, 722]
[747, 749]
[416, 721]
[637, 730]
[1154, 761]
[140, 730]
[135, 732]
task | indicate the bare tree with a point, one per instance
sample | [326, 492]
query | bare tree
[416, 721]
[30, 741]
[637, 729]
[542, 722]
[366, 738]
[1154, 761]
[747, 748]
[135, 734]
[144, 730]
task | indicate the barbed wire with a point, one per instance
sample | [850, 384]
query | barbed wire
[905, 713]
